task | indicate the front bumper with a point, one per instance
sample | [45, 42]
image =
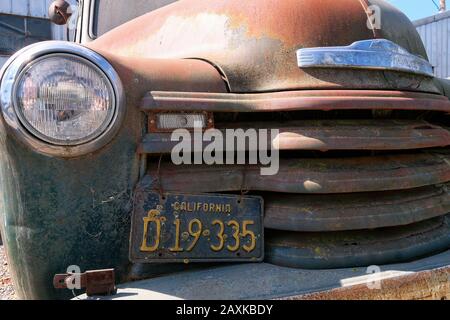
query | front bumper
[422, 279]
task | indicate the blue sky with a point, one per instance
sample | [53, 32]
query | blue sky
[417, 9]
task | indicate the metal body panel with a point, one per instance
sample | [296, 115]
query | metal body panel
[431, 284]
[254, 43]
[184, 75]
[56, 213]
[426, 278]
[59, 212]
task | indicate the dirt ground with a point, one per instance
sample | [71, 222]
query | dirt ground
[6, 288]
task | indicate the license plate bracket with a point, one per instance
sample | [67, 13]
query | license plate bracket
[174, 227]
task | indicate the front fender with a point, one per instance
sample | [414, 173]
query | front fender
[57, 212]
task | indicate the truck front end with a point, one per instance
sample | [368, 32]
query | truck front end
[298, 134]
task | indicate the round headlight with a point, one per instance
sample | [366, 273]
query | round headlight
[64, 99]
[61, 98]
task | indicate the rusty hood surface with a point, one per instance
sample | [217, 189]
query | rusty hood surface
[253, 43]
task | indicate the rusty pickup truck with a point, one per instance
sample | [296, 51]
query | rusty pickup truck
[90, 182]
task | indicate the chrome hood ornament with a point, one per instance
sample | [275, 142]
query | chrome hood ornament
[378, 54]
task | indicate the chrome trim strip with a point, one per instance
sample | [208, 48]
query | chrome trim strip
[10, 73]
[377, 54]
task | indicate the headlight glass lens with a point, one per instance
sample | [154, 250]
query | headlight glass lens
[64, 99]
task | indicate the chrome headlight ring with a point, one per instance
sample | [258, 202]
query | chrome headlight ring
[11, 73]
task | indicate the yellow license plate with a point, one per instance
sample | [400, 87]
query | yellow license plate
[196, 228]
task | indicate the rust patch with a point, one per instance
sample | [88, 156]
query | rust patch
[254, 42]
[424, 285]
[96, 282]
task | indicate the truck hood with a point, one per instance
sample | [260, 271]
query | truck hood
[253, 43]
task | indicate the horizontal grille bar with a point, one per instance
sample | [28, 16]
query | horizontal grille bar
[327, 175]
[354, 211]
[324, 135]
[358, 248]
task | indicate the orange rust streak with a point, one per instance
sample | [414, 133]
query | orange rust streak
[425, 285]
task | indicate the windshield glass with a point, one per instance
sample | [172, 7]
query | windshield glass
[109, 14]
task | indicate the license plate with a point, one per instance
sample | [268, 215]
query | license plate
[196, 228]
